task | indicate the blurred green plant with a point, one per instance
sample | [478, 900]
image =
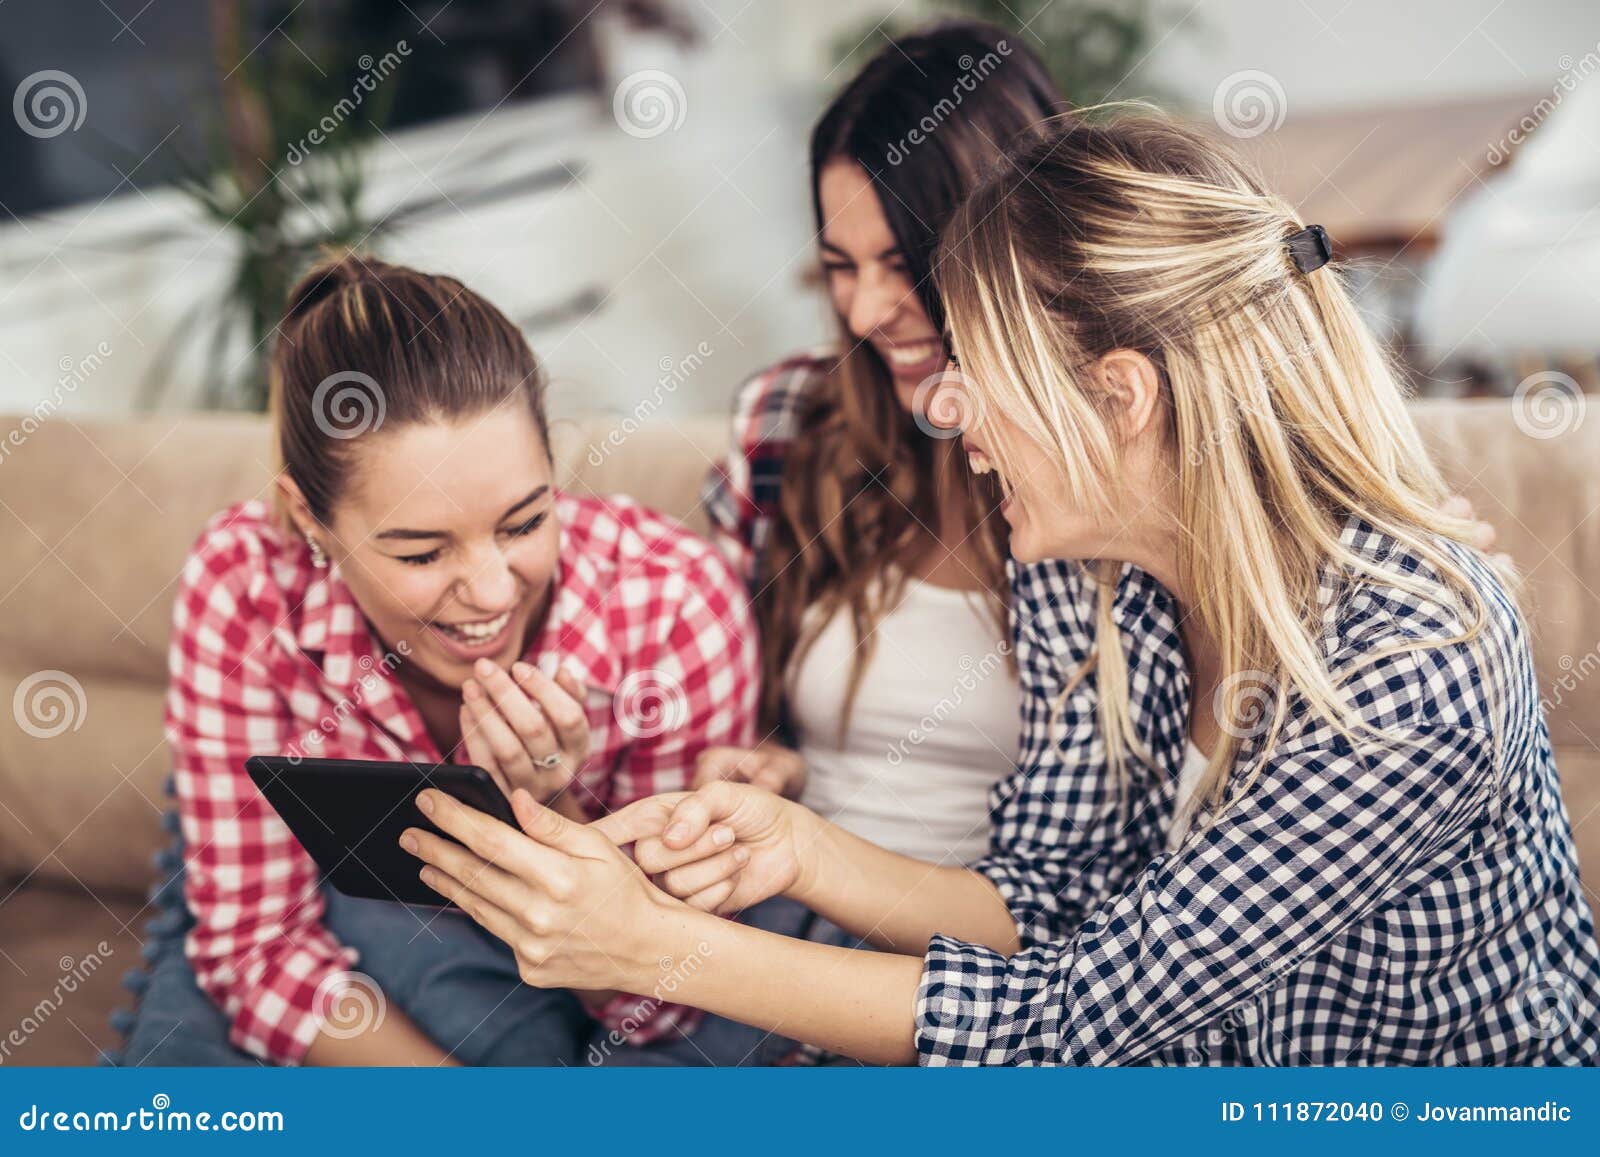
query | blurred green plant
[1093, 48]
[282, 198]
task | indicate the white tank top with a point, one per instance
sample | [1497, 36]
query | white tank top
[1189, 777]
[935, 724]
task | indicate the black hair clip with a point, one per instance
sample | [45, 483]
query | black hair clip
[1310, 248]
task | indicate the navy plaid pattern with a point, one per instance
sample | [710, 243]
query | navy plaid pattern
[1409, 900]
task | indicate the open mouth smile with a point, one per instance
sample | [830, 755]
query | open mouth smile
[474, 639]
[912, 357]
[981, 463]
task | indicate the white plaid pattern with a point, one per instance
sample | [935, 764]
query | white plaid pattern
[1414, 901]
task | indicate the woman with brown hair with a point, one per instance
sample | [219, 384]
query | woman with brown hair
[422, 592]
[889, 697]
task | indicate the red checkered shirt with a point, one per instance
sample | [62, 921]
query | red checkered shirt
[271, 655]
[741, 493]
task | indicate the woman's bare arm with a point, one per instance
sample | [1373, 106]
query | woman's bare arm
[894, 901]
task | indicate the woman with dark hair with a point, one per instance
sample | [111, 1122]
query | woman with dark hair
[889, 699]
[422, 592]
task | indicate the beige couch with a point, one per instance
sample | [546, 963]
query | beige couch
[97, 518]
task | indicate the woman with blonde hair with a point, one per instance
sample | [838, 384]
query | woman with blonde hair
[1286, 793]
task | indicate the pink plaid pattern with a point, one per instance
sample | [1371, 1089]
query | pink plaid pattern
[271, 655]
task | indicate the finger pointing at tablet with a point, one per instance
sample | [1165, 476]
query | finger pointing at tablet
[554, 830]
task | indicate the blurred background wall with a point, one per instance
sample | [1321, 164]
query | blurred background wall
[627, 179]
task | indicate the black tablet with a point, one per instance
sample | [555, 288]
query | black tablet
[349, 813]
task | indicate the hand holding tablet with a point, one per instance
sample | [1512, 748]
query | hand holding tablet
[348, 814]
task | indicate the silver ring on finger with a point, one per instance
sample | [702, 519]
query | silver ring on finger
[546, 762]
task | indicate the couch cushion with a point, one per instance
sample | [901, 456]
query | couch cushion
[62, 953]
[1543, 497]
[1542, 494]
[99, 517]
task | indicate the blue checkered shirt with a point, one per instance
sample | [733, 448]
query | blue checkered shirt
[1414, 901]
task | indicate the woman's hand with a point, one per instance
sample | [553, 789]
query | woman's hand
[524, 728]
[575, 911]
[773, 766]
[578, 914]
[1483, 534]
[1460, 506]
[720, 848]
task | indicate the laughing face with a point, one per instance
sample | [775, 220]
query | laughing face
[1027, 485]
[446, 535]
[1046, 520]
[869, 282]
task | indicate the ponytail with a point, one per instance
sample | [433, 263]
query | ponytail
[366, 346]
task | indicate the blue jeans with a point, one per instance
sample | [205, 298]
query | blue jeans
[458, 984]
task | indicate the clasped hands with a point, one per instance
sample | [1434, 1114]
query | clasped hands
[527, 729]
[572, 905]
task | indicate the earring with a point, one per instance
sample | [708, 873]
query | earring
[318, 558]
